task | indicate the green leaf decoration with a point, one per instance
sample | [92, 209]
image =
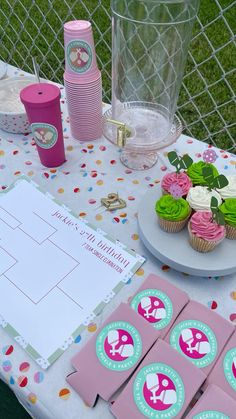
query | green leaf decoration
[186, 162]
[220, 182]
[217, 215]
[173, 158]
[220, 219]
[214, 204]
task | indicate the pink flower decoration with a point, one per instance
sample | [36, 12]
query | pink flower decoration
[209, 156]
[176, 191]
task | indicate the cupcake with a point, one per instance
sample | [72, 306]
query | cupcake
[228, 208]
[204, 233]
[199, 198]
[172, 213]
[229, 191]
[180, 179]
[195, 172]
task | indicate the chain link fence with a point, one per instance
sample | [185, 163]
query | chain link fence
[206, 104]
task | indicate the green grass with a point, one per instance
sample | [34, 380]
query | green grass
[17, 48]
[9, 406]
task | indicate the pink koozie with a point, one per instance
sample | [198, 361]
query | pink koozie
[199, 334]
[42, 105]
[224, 372]
[162, 387]
[111, 355]
[159, 302]
[215, 404]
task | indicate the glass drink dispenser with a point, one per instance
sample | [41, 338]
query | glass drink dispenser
[149, 51]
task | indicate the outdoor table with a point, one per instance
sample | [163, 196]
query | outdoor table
[93, 170]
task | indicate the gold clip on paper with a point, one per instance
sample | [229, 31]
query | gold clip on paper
[113, 202]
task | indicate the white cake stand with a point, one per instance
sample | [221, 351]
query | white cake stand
[174, 250]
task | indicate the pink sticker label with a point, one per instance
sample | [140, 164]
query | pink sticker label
[153, 311]
[156, 389]
[119, 345]
[194, 343]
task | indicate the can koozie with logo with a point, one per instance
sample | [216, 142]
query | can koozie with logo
[199, 335]
[159, 302]
[224, 372]
[111, 355]
[214, 404]
[162, 387]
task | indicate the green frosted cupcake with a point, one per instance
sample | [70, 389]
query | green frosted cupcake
[195, 172]
[172, 213]
[229, 210]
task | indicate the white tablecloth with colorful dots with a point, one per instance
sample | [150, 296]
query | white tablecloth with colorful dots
[91, 171]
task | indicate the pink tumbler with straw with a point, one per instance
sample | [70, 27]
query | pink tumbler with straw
[42, 105]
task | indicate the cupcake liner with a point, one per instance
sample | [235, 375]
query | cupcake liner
[201, 245]
[230, 232]
[172, 226]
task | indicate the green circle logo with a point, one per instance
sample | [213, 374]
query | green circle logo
[158, 391]
[196, 341]
[229, 365]
[210, 414]
[79, 56]
[45, 135]
[154, 306]
[118, 346]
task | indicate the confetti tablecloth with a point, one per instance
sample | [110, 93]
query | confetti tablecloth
[91, 171]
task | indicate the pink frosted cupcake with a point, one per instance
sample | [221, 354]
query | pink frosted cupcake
[204, 233]
[181, 179]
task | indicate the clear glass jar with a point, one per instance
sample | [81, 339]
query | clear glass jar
[150, 45]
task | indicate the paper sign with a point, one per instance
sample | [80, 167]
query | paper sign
[56, 271]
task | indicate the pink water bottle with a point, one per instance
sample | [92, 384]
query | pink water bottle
[42, 105]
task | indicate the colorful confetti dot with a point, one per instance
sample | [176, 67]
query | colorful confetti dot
[131, 198]
[233, 295]
[212, 304]
[24, 367]
[22, 381]
[7, 350]
[69, 148]
[165, 268]
[78, 339]
[100, 182]
[140, 272]
[116, 220]
[92, 327]
[64, 394]
[90, 146]
[38, 377]
[102, 148]
[113, 162]
[98, 162]
[135, 182]
[6, 366]
[2, 153]
[99, 217]
[82, 214]
[11, 381]
[135, 236]
[60, 190]
[123, 215]
[76, 190]
[32, 398]
[232, 318]
[30, 173]
[92, 201]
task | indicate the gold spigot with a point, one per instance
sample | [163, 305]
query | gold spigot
[122, 132]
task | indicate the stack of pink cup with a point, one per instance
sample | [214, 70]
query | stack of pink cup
[83, 82]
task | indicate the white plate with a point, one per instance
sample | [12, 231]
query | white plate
[175, 250]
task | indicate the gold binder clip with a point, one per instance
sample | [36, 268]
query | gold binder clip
[113, 202]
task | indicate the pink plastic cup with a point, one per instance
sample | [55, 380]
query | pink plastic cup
[42, 105]
[80, 55]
